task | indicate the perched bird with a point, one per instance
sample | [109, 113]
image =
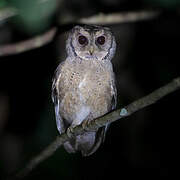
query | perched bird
[84, 85]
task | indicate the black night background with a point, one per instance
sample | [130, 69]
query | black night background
[143, 145]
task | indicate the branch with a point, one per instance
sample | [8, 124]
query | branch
[102, 121]
[116, 18]
[28, 44]
[7, 13]
[103, 19]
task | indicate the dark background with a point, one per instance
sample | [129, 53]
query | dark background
[142, 145]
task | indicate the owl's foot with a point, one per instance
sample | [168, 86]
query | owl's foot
[85, 126]
[70, 132]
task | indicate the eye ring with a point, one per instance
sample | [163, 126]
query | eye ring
[101, 40]
[82, 40]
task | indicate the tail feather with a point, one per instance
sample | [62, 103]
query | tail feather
[87, 143]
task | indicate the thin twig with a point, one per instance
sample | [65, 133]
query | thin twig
[102, 121]
[26, 45]
[103, 19]
[116, 18]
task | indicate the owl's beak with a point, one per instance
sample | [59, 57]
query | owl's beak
[91, 50]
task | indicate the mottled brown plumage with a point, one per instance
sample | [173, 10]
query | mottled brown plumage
[83, 87]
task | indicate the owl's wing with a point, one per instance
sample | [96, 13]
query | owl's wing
[114, 94]
[56, 100]
[113, 101]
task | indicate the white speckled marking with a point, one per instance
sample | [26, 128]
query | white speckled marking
[82, 83]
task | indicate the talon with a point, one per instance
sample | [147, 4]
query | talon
[85, 125]
[70, 132]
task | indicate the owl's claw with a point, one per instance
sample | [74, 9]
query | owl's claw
[70, 132]
[85, 125]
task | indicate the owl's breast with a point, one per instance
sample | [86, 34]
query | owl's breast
[83, 87]
[95, 91]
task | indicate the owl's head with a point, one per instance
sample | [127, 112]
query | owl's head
[91, 43]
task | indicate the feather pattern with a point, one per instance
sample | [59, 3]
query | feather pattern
[84, 88]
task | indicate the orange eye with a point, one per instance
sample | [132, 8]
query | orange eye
[101, 40]
[82, 40]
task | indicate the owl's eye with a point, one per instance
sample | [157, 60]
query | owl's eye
[101, 40]
[82, 40]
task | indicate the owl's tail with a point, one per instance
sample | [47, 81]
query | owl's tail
[87, 143]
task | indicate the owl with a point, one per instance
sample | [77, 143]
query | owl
[84, 85]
